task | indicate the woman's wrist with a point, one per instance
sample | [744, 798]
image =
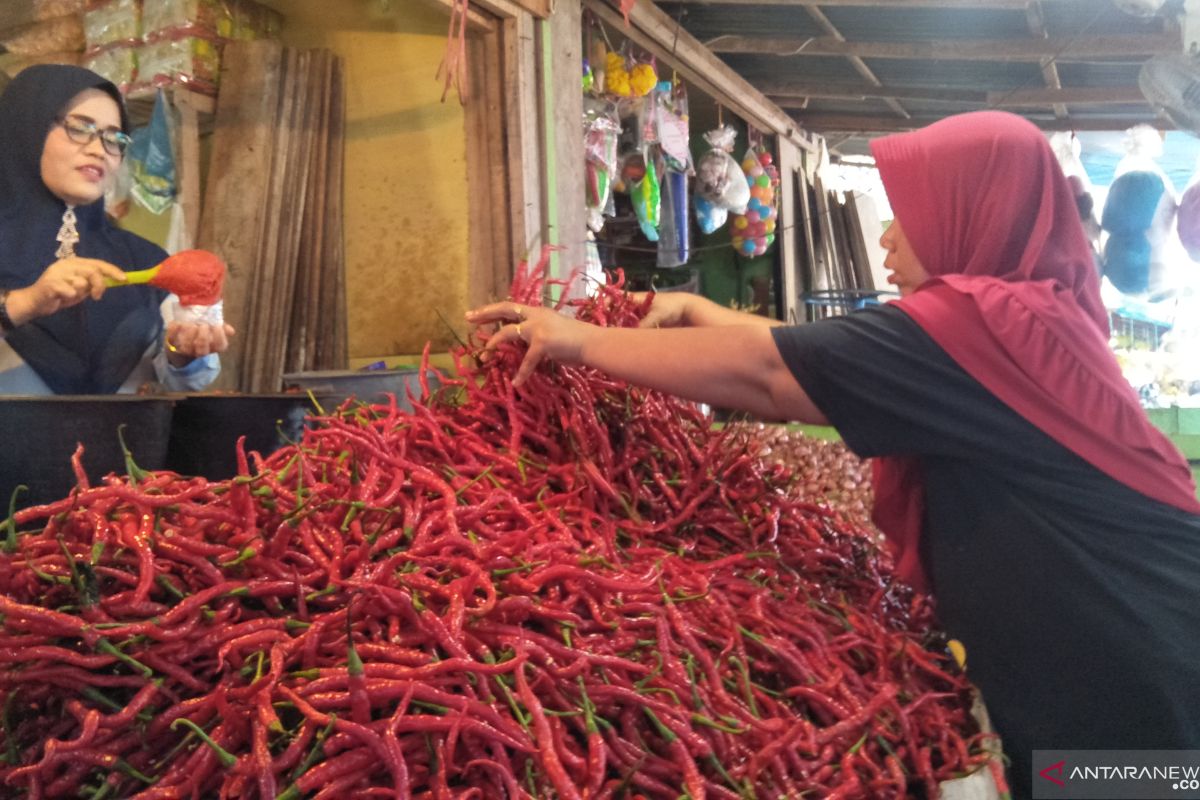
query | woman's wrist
[19, 307]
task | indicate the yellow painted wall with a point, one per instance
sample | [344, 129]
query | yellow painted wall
[406, 179]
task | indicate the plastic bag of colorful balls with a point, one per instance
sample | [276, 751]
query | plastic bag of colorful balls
[754, 231]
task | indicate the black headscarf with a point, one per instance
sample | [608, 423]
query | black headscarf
[90, 348]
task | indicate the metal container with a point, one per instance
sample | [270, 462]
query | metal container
[369, 386]
[41, 433]
[206, 427]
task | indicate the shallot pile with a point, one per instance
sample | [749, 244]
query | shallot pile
[576, 589]
[826, 471]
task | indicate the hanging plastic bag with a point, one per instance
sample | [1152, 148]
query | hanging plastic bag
[647, 199]
[152, 161]
[674, 236]
[601, 130]
[1139, 216]
[1189, 221]
[754, 231]
[710, 217]
[671, 123]
[719, 178]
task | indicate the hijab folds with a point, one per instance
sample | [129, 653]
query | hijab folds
[91, 347]
[1014, 299]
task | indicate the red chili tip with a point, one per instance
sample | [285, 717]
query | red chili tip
[197, 276]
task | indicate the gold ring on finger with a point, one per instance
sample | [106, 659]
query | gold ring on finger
[519, 336]
[170, 347]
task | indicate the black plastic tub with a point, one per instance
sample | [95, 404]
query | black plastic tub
[206, 427]
[367, 385]
[41, 433]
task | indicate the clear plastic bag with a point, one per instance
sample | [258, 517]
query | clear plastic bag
[116, 64]
[670, 109]
[601, 130]
[115, 22]
[754, 231]
[192, 60]
[719, 178]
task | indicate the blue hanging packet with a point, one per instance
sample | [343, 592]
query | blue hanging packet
[152, 160]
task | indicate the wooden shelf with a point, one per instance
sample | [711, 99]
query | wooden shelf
[141, 105]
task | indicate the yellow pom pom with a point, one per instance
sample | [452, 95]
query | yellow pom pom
[642, 79]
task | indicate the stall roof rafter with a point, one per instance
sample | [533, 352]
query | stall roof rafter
[852, 69]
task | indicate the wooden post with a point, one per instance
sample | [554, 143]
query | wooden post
[233, 215]
[561, 75]
[189, 164]
[787, 232]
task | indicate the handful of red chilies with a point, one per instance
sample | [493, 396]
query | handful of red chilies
[573, 590]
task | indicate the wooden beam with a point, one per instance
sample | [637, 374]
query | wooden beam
[859, 65]
[788, 94]
[1082, 96]
[1078, 48]
[652, 29]
[836, 124]
[1015, 5]
[1036, 21]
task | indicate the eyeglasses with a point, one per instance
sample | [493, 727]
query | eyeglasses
[81, 131]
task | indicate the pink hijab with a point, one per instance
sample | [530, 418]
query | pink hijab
[1014, 299]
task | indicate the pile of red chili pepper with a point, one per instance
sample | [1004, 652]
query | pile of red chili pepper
[575, 589]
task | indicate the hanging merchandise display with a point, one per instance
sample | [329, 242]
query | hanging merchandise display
[646, 195]
[754, 231]
[601, 129]
[151, 161]
[670, 111]
[721, 185]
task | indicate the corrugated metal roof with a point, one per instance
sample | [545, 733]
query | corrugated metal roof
[928, 61]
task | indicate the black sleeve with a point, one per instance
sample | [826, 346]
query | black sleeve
[890, 390]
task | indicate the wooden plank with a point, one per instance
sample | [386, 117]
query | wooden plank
[189, 169]
[303, 331]
[293, 201]
[1036, 21]
[523, 133]
[833, 274]
[652, 29]
[806, 224]
[333, 351]
[1080, 96]
[788, 160]
[234, 202]
[476, 20]
[858, 243]
[484, 150]
[827, 124]
[790, 94]
[560, 82]
[279, 215]
[1061, 49]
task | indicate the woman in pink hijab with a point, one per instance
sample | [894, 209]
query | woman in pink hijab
[1017, 477]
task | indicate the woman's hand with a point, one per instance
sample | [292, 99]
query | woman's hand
[548, 333]
[186, 341]
[65, 283]
[667, 310]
